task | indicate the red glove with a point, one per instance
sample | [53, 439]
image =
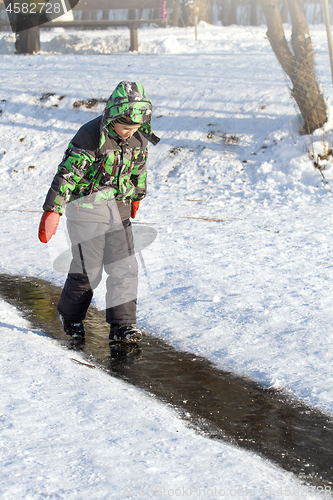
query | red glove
[134, 208]
[48, 226]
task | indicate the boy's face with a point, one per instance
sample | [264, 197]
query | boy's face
[125, 131]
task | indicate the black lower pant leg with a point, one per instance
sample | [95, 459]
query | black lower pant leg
[75, 297]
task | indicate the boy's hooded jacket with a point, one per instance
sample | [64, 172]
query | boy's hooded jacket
[98, 165]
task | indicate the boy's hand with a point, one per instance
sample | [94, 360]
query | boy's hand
[134, 208]
[48, 226]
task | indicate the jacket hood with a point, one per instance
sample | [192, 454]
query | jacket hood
[129, 99]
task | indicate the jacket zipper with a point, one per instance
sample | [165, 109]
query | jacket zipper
[132, 159]
[115, 163]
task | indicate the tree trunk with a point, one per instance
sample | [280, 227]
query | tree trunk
[224, 12]
[232, 17]
[202, 10]
[175, 13]
[284, 11]
[195, 7]
[131, 14]
[253, 13]
[209, 12]
[299, 65]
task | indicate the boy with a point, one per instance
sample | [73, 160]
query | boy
[101, 181]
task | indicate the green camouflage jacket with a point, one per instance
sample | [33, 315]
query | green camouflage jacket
[98, 165]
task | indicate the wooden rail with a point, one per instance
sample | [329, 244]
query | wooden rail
[133, 26]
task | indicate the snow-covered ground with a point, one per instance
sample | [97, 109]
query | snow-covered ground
[251, 291]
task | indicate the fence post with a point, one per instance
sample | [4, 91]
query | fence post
[134, 43]
[324, 4]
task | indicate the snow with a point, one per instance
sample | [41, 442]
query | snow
[251, 291]
[70, 431]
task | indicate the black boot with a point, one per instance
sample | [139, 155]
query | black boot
[125, 333]
[74, 330]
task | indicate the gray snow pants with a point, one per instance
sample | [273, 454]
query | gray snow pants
[97, 246]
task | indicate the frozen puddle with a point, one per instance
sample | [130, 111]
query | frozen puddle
[217, 403]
